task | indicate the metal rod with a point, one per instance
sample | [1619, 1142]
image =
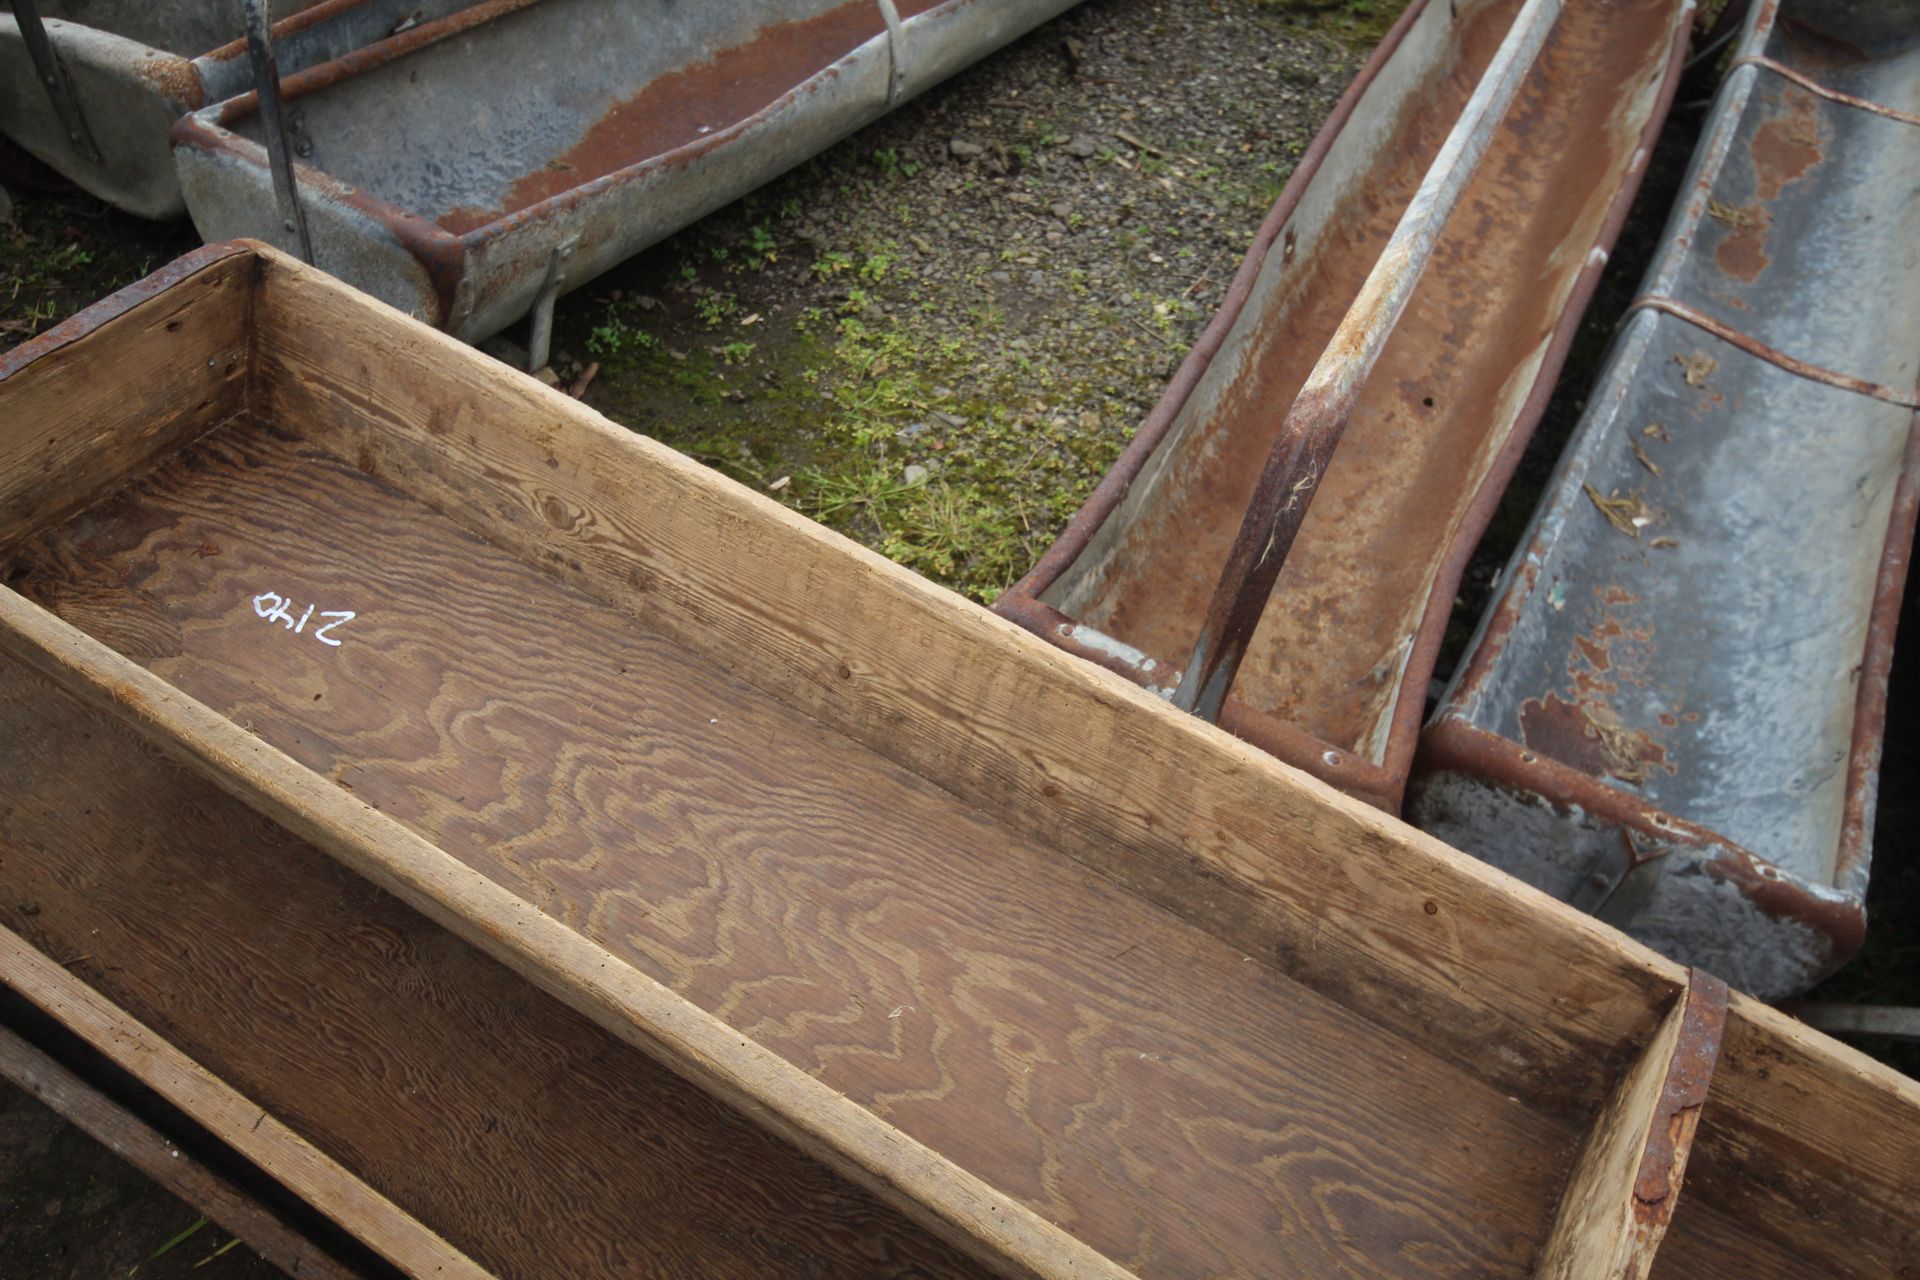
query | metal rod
[46, 65]
[1319, 414]
[896, 51]
[540, 331]
[266, 81]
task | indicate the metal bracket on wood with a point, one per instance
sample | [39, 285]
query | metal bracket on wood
[46, 65]
[273, 120]
[896, 51]
[540, 337]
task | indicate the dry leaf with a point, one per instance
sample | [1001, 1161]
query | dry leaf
[1619, 744]
[1629, 514]
[1663, 543]
[1654, 431]
[1732, 215]
[1697, 367]
[1645, 461]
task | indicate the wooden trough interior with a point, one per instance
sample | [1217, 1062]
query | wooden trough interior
[543, 854]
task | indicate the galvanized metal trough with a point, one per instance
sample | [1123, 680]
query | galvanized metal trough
[1412, 297]
[1672, 714]
[466, 168]
[122, 71]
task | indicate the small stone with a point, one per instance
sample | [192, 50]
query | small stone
[1084, 146]
[1000, 277]
[915, 474]
[1089, 420]
[1060, 209]
[964, 150]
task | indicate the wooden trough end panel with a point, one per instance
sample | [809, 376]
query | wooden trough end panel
[149, 1151]
[847, 1137]
[1626, 1181]
[1807, 1162]
[1319, 887]
[181, 343]
[257, 1136]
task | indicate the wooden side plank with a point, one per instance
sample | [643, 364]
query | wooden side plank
[1627, 1179]
[951, 1203]
[1424, 940]
[148, 1151]
[122, 383]
[277, 1150]
[1812, 1148]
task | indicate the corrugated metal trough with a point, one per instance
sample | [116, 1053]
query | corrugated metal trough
[1672, 714]
[132, 67]
[1436, 401]
[468, 167]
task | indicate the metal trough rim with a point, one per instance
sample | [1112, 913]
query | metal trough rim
[1381, 784]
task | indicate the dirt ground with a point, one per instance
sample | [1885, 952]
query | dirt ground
[935, 338]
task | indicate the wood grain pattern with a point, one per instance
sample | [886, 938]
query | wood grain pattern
[100, 397]
[1812, 1148]
[1429, 942]
[148, 1151]
[534, 1139]
[1180, 1107]
[158, 1064]
[642, 1012]
[1632, 1168]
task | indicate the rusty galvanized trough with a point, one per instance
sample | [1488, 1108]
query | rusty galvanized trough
[1672, 713]
[545, 857]
[467, 168]
[1413, 301]
[123, 71]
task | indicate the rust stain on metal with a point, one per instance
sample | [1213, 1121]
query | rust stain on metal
[1581, 727]
[680, 109]
[1663, 1164]
[1786, 148]
[1743, 252]
[1374, 544]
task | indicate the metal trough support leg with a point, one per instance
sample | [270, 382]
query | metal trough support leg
[540, 339]
[266, 80]
[46, 65]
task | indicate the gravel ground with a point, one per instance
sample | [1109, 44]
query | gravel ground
[935, 337]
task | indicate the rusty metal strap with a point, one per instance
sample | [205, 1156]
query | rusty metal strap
[1780, 359]
[53, 78]
[1814, 86]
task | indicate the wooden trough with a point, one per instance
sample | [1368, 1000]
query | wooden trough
[544, 856]
[1441, 398]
